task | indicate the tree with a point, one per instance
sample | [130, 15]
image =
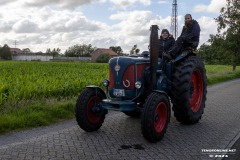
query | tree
[229, 23]
[137, 51]
[26, 50]
[54, 52]
[132, 51]
[117, 49]
[5, 52]
[103, 58]
[216, 52]
[79, 51]
[48, 51]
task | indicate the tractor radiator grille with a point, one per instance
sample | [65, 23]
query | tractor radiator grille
[130, 76]
[128, 81]
[111, 79]
[140, 70]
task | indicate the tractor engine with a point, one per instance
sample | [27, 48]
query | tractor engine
[126, 76]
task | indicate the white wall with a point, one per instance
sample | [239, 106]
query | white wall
[31, 57]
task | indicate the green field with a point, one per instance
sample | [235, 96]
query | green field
[31, 80]
[39, 93]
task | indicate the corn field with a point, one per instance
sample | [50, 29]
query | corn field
[29, 80]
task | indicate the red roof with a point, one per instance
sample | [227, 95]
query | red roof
[109, 51]
[15, 50]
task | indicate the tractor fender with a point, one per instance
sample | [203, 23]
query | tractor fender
[162, 92]
[98, 88]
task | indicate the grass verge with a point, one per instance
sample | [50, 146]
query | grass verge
[221, 73]
[36, 113]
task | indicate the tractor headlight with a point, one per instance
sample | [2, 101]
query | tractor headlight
[105, 82]
[138, 84]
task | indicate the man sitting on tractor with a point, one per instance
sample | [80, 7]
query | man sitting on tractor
[188, 38]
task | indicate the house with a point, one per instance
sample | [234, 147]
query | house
[15, 50]
[100, 51]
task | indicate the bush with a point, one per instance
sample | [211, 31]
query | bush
[5, 53]
[103, 58]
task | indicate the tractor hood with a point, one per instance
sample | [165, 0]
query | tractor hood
[124, 73]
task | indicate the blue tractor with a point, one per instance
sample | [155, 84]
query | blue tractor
[143, 87]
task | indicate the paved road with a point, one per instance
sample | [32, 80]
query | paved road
[120, 136]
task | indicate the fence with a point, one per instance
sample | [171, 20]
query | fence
[32, 57]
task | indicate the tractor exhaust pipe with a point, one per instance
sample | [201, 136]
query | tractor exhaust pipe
[154, 51]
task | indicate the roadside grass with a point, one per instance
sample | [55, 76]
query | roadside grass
[36, 113]
[31, 113]
[221, 73]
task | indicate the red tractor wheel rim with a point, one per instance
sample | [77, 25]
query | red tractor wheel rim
[160, 117]
[93, 118]
[197, 82]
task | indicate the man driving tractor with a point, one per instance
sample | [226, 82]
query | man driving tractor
[188, 38]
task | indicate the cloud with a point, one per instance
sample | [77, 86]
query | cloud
[46, 27]
[213, 7]
[163, 1]
[124, 4]
[3, 2]
[208, 26]
[137, 23]
[6, 25]
[25, 26]
[134, 26]
[50, 26]
[66, 21]
[60, 3]
[82, 23]
[200, 8]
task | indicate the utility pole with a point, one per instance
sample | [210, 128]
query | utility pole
[174, 20]
[15, 44]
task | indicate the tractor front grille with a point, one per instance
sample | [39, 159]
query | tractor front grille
[128, 81]
[111, 79]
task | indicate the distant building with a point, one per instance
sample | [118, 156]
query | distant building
[19, 55]
[100, 51]
[31, 57]
[15, 50]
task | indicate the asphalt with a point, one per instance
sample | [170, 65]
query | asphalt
[120, 136]
[236, 150]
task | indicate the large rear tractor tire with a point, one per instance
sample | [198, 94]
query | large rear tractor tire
[155, 117]
[189, 89]
[89, 114]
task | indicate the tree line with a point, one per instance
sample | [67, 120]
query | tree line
[77, 50]
[224, 47]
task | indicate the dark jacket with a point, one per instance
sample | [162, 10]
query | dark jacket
[166, 44]
[192, 32]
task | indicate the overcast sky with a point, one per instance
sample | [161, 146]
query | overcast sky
[42, 24]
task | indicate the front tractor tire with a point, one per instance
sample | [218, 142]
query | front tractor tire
[155, 117]
[89, 114]
[189, 90]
